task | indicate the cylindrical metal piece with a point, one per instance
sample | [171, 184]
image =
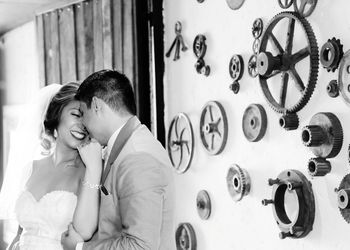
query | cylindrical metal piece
[293, 185]
[289, 121]
[313, 136]
[266, 202]
[284, 235]
[274, 181]
[319, 166]
[296, 229]
[343, 198]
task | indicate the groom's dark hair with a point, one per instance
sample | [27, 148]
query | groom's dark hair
[112, 87]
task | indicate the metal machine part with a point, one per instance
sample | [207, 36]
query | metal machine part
[344, 197]
[289, 121]
[324, 135]
[200, 1]
[333, 88]
[292, 184]
[257, 28]
[344, 77]
[305, 7]
[283, 63]
[331, 54]
[252, 67]
[236, 67]
[256, 45]
[235, 87]
[285, 4]
[238, 182]
[235, 4]
[178, 41]
[185, 237]
[213, 127]
[254, 122]
[203, 205]
[180, 142]
[349, 154]
[319, 166]
[199, 49]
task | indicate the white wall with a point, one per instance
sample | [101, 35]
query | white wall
[20, 80]
[247, 224]
[20, 73]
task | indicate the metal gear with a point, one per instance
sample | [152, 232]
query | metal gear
[236, 67]
[289, 121]
[203, 205]
[235, 4]
[331, 54]
[235, 87]
[213, 127]
[258, 27]
[292, 182]
[238, 182]
[324, 135]
[256, 45]
[252, 67]
[344, 77]
[284, 62]
[318, 166]
[254, 122]
[343, 198]
[305, 8]
[185, 237]
[285, 4]
[333, 88]
[180, 143]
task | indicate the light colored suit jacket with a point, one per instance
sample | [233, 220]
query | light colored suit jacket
[139, 211]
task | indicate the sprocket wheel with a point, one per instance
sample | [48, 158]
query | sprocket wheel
[331, 54]
[284, 61]
[238, 182]
[343, 198]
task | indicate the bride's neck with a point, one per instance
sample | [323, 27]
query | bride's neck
[64, 155]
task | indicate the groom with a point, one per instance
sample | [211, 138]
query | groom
[137, 192]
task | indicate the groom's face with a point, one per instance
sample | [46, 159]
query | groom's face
[91, 122]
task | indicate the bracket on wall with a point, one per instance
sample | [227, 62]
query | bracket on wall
[294, 184]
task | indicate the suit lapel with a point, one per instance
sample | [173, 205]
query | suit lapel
[125, 133]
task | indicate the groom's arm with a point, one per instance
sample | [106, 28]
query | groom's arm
[141, 185]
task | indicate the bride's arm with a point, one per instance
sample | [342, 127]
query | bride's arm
[15, 241]
[86, 213]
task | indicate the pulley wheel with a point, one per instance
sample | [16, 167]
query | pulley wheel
[344, 77]
[180, 142]
[254, 122]
[235, 4]
[203, 205]
[213, 127]
[185, 237]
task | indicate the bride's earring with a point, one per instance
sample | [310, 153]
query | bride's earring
[55, 134]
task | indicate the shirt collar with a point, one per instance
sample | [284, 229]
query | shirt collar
[112, 139]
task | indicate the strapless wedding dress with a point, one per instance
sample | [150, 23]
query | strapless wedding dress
[43, 221]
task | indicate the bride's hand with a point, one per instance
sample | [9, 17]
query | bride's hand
[91, 154]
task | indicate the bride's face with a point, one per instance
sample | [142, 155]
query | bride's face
[70, 129]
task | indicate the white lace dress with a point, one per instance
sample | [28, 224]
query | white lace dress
[43, 221]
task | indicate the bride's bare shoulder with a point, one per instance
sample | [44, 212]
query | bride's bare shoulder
[44, 161]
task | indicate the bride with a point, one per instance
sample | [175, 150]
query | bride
[61, 187]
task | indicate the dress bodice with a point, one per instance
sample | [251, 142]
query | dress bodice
[43, 221]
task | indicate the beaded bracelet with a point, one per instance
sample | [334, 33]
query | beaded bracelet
[93, 186]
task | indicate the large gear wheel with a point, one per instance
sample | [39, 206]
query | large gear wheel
[344, 77]
[238, 182]
[344, 198]
[331, 54]
[283, 63]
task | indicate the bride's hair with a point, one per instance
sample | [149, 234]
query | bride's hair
[65, 95]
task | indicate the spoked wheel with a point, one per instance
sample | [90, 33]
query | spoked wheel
[274, 60]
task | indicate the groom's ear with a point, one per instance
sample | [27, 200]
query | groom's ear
[95, 104]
